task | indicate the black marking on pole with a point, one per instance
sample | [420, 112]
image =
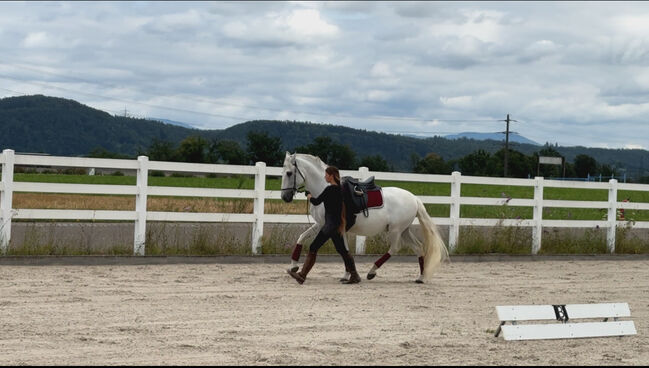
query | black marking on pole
[560, 312]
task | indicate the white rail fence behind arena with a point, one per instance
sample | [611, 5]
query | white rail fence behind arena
[259, 194]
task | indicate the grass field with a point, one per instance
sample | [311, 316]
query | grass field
[500, 239]
[188, 204]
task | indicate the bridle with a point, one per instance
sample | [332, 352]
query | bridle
[295, 188]
[302, 188]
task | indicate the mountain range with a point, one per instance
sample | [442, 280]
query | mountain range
[498, 136]
[63, 127]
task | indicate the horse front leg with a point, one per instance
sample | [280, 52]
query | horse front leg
[297, 248]
[394, 240]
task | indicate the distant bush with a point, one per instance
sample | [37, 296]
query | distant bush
[157, 173]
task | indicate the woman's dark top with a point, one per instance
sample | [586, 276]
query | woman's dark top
[333, 201]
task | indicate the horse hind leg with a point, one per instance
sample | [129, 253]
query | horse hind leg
[409, 238]
[394, 240]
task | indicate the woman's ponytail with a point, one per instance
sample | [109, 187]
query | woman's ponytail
[332, 170]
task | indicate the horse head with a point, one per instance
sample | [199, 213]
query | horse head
[292, 178]
[302, 171]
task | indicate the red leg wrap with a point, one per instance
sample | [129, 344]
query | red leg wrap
[297, 250]
[382, 260]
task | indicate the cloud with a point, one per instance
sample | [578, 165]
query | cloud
[292, 29]
[568, 71]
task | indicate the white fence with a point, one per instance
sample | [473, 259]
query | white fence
[142, 190]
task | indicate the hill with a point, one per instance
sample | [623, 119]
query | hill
[497, 136]
[57, 126]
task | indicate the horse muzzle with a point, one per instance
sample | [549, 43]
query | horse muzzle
[287, 195]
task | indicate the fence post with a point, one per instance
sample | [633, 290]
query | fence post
[537, 216]
[363, 173]
[454, 228]
[6, 199]
[612, 215]
[140, 205]
[258, 225]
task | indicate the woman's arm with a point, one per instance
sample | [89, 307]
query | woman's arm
[320, 198]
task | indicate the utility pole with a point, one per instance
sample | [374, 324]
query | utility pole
[508, 120]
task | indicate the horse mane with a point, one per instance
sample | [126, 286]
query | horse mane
[315, 160]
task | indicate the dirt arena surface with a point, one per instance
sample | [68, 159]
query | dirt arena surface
[255, 314]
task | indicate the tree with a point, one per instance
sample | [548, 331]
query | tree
[585, 165]
[266, 149]
[375, 163]
[321, 147]
[193, 149]
[339, 155]
[161, 150]
[476, 163]
[343, 157]
[229, 152]
[433, 164]
[607, 170]
[101, 152]
[520, 165]
[212, 151]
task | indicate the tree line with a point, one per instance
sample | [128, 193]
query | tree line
[482, 163]
[262, 147]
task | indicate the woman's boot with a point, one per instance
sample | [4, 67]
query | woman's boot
[350, 266]
[354, 278]
[306, 267]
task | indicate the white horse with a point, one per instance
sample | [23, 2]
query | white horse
[400, 207]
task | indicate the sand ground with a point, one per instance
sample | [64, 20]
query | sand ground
[255, 314]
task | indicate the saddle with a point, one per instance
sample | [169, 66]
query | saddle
[360, 195]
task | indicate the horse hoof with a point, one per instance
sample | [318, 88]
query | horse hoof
[297, 277]
[419, 281]
[343, 279]
[293, 269]
[371, 276]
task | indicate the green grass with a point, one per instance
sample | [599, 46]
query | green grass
[430, 189]
[472, 240]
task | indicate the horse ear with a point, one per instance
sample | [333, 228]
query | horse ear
[288, 153]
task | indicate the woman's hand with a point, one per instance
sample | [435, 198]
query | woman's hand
[308, 196]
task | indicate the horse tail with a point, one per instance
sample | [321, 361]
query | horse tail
[434, 248]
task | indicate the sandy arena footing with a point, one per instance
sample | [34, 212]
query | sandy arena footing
[253, 313]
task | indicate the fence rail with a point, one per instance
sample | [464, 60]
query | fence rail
[141, 190]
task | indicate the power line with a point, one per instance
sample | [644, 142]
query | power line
[391, 118]
[194, 98]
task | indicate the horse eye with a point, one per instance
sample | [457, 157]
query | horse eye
[289, 174]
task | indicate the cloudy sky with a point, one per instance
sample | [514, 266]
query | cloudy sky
[572, 73]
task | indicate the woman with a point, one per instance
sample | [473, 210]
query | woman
[333, 228]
